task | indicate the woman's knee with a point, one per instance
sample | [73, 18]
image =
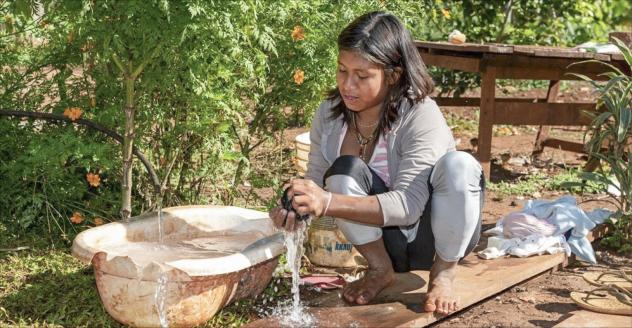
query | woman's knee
[458, 171]
[348, 175]
[345, 164]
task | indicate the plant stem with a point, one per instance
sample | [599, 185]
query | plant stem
[128, 143]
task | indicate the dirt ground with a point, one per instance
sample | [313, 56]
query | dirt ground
[544, 300]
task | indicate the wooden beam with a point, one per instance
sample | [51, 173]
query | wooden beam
[473, 101]
[486, 119]
[542, 113]
[546, 68]
[564, 145]
[467, 64]
[465, 47]
[543, 131]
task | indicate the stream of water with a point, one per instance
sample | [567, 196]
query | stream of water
[295, 314]
[161, 288]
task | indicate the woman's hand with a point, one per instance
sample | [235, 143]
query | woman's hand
[282, 219]
[308, 198]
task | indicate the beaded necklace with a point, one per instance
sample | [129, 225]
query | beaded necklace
[362, 140]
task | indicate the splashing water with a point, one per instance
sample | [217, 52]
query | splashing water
[294, 315]
[161, 297]
[161, 287]
[161, 227]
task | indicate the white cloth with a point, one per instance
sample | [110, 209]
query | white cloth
[526, 246]
[565, 215]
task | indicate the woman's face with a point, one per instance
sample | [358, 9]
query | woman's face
[362, 84]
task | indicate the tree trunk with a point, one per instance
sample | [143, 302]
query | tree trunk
[128, 144]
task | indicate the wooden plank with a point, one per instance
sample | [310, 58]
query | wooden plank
[473, 101]
[465, 47]
[458, 102]
[467, 64]
[617, 57]
[543, 68]
[564, 145]
[602, 57]
[585, 318]
[563, 54]
[518, 113]
[544, 73]
[486, 119]
[399, 305]
[543, 131]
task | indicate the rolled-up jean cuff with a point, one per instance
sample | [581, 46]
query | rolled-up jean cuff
[447, 258]
[358, 233]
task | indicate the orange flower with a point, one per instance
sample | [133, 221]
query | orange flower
[93, 179]
[98, 221]
[73, 113]
[298, 33]
[76, 218]
[299, 76]
[445, 13]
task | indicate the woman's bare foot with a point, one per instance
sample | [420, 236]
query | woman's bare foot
[364, 290]
[379, 275]
[440, 297]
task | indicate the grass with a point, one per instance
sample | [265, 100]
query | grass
[45, 286]
[538, 182]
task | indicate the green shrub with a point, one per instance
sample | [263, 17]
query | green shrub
[215, 82]
[610, 141]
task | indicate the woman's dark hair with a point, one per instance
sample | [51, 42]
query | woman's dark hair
[382, 39]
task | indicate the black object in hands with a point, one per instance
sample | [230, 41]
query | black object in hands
[287, 205]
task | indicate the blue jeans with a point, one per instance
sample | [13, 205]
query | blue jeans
[449, 226]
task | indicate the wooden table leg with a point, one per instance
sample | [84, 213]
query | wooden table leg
[486, 119]
[543, 131]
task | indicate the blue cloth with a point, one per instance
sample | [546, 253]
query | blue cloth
[571, 221]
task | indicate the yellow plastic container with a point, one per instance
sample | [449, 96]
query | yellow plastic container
[326, 245]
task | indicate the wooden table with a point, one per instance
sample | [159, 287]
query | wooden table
[500, 61]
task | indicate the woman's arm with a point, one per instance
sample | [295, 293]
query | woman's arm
[310, 198]
[316, 163]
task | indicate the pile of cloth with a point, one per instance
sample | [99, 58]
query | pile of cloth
[545, 226]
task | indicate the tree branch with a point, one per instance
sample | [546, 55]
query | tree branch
[508, 9]
[119, 63]
[145, 61]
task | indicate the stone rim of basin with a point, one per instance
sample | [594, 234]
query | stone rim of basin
[86, 244]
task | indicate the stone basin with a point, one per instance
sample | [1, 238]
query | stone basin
[210, 257]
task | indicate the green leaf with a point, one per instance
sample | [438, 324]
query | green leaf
[624, 124]
[624, 50]
[598, 121]
[595, 177]
[612, 82]
[231, 155]
[614, 68]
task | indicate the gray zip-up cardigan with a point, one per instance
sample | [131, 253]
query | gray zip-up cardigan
[417, 139]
